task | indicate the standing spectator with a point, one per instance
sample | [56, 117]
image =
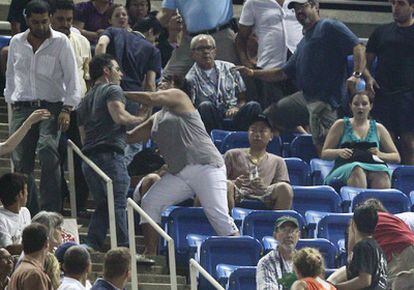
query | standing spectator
[14, 216]
[309, 268]
[254, 173]
[117, 268]
[404, 281]
[29, 275]
[62, 19]
[278, 33]
[278, 264]
[137, 10]
[393, 45]
[6, 268]
[46, 79]
[91, 18]
[320, 55]
[76, 266]
[212, 17]
[217, 88]
[102, 121]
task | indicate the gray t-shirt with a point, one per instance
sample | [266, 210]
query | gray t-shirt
[100, 129]
[183, 140]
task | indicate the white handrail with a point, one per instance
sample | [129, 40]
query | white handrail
[9, 119]
[195, 268]
[131, 207]
[109, 188]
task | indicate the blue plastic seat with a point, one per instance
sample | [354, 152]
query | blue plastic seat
[312, 218]
[243, 278]
[320, 198]
[269, 243]
[393, 200]
[320, 169]
[303, 148]
[217, 136]
[4, 40]
[347, 194]
[403, 179]
[328, 250]
[238, 214]
[240, 139]
[333, 226]
[299, 171]
[241, 251]
[260, 223]
[251, 204]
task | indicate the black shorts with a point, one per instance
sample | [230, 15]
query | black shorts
[395, 111]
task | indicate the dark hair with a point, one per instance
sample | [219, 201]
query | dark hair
[11, 184]
[76, 260]
[309, 262]
[63, 5]
[34, 238]
[111, 9]
[376, 204]
[178, 82]
[128, 3]
[362, 93]
[117, 263]
[365, 219]
[147, 23]
[98, 63]
[37, 7]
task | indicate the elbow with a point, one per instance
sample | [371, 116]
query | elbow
[397, 158]
[100, 48]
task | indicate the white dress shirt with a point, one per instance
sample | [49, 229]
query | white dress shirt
[49, 74]
[276, 27]
[71, 284]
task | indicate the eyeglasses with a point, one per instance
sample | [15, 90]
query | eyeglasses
[288, 230]
[201, 48]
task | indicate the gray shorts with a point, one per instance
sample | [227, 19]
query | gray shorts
[321, 118]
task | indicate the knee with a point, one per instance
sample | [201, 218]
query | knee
[358, 173]
[206, 106]
[254, 107]
[380, 180]
[283, 190]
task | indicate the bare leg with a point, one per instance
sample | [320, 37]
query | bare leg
[3, 60]
[282, 196]
[379, 180]
[358, 178]
[230, 195]
[147, 182]
[150, 239]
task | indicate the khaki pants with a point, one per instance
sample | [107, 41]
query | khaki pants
[400, 262]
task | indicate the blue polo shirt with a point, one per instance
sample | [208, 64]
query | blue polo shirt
[202, 15]
[319, 62]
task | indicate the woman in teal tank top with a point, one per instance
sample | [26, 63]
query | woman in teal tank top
[357, 129]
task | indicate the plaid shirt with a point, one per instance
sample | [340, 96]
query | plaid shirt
[221, 91]
[270, 268]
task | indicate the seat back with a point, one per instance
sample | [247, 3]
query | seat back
[4, 40]
[243, 278]
[403, 179]
[303, 148]
[269, 243]
[217, 136]
[260, 223]
[319, 198]
[299, 171]
[333, 226]
[328, 250]
[242, 251]
[320, 169]
[393, 200]
[240, 139]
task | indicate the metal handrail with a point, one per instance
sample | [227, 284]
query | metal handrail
[9, 120]
[131, 207]
[109, 188]
[195, 268]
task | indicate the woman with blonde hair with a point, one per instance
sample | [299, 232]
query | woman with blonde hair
[309, 267]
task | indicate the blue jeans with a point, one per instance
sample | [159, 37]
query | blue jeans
[114, 166]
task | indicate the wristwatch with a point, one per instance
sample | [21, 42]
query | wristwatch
[357, 74]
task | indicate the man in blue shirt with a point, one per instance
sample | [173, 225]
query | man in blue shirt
[212, 17]
[319, 66]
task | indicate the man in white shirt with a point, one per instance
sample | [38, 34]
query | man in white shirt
[76, 266]
[278, 33]
[14, 217]
[41, 73]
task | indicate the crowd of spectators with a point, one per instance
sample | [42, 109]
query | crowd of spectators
[110, 77]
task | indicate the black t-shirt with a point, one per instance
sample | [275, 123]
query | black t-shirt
[16, 13]
[394, 47]
[369, 258]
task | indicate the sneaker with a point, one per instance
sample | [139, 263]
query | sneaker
[143, 260]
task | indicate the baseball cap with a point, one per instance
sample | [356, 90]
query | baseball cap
[291, 3]
[286, 219]
[261, 118]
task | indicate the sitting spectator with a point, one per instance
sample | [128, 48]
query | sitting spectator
[217, 88]
[309, 268]
[14, 216]
[408, 218]
[404, 280]
[53, 222]
[76, 265]
[137, 10]
[253, 173]
[30, 275]
[91, 18]
[278, 264]
[117, 265]
[357, 166]
[368, 266]
[6, 268]
[150, 27]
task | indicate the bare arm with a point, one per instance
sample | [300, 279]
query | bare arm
[269, 75]
[149, 82]
[389, 152]
[141, 133]
[90, 35]
[241, 44]
[362, 281]
[329, 150]
[121, 116]
[82, 134]
[165, 15]
[102, 45]
[360, 61]
[371, 83]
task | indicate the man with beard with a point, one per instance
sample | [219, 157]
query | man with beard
[41, 74]
[278, 264]
[393, 45]
[319, 66]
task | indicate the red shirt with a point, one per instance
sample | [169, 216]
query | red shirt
[392, 234]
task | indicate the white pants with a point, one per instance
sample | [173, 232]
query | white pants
[207, 182]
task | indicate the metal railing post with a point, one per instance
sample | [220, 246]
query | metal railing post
[171, 258]
[72, 190]
[196, 267]
[193, 276]
[9, 119]
[111, 212]
[132, 247]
